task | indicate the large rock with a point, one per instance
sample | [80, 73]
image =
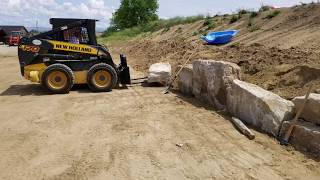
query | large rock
[211, 79]
[311, 112]
[305, 137]
[258, 107]
[159, 73]
[185, 80]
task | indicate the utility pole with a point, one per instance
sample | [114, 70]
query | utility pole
[37, 28]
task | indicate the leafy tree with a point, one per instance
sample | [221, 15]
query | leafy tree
[134, 12]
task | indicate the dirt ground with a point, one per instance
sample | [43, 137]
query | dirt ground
[128, 134]
[282, 55]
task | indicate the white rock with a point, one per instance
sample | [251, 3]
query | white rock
[185, 80]
[311, 112]
[304, 137]
[159, 73]
[211, 79]
[258, 107]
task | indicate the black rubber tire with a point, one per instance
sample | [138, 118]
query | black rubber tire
[104, 67]
[61, 68]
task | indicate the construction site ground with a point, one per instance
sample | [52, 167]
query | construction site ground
[132, 133]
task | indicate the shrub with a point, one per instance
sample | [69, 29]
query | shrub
[234, 18]
[203, 32]
[253, 14]
[253, 28]
[179, 30]
[250, 23]
[242, 11]
[273, 14]
[209, 23]
[211, 26]
[166, 29]
[265, 8]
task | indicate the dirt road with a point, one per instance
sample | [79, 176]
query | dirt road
[128, 134]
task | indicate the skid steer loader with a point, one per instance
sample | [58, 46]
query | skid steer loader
[69, 54]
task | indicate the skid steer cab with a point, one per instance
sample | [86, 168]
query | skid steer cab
[69, 54]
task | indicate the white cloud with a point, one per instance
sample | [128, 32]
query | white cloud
[20, 12]
[27, 12]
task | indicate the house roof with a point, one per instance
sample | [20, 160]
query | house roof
[9, 29]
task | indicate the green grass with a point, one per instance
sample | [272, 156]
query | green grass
[153, 26]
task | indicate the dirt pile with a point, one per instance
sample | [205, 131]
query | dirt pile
[282, 54]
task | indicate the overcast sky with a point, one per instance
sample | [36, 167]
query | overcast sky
[27, 12]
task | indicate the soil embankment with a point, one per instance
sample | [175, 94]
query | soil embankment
[281, 54]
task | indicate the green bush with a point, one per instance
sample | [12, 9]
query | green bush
[211, 26]
[265, 8]
[273, 14]
[250, 23]
[242, 11]
[253, 14]
[179, 30]
[203, 32]
[253, 28]
[166, 29]
[209, 23]
[234, 18]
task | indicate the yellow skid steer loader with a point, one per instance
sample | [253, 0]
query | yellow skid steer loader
[69, 54]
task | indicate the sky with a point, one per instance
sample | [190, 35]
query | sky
[28, 12]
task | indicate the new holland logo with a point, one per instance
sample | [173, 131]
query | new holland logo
[73, 47]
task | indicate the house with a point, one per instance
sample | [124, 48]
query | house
[5, 32]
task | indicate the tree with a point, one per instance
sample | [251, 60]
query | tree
[134, 12]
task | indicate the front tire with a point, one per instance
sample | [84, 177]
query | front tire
[102, 77]
[58, 78]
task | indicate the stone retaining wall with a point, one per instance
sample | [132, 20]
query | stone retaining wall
[218, 83]
[305, 137]
[258, 107]
[211, 79]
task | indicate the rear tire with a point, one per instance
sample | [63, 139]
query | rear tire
[58, 78]
[102, 77]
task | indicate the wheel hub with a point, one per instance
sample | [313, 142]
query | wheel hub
[57, 80]
[102, 78]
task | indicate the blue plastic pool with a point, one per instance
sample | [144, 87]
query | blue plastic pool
[221, 37]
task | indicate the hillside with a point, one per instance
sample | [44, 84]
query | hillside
[278, 50]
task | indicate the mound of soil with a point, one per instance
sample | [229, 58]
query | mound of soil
[282, 56]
